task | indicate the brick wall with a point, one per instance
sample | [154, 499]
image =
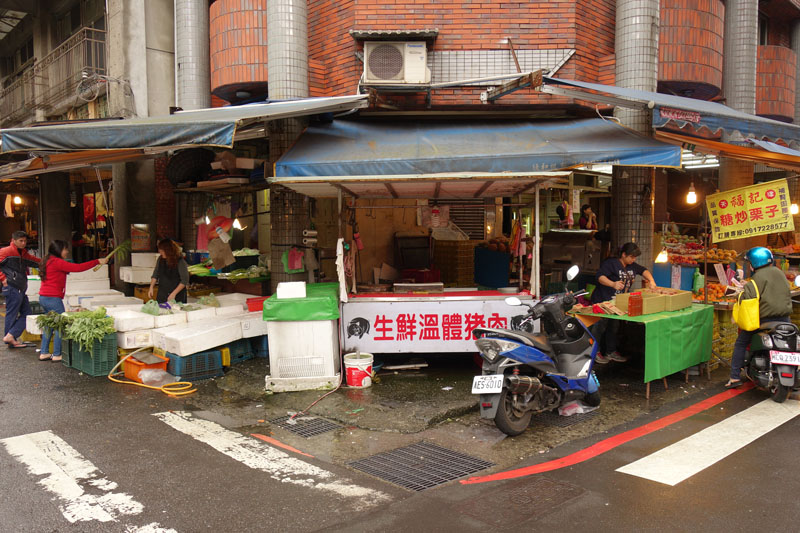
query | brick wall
[165, 201]
[333, 68]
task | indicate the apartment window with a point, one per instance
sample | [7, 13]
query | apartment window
[24, 53]
[763, 29]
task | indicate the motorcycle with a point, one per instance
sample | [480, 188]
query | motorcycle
[773, 359]
[526, 373]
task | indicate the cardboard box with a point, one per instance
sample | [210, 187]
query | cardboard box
[675, 299]
[651, 302]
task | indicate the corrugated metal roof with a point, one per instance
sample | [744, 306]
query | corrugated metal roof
[429, 34]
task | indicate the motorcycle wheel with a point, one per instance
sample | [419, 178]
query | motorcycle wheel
[507, 421]
[592, 399]
[779, 392]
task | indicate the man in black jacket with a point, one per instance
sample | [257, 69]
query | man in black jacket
[14, 263]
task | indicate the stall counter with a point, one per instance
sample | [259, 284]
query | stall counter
[425, 323]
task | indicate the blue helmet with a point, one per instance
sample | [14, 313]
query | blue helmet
[759, 257]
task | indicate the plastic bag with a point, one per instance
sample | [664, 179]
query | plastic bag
[568, 409]
[209, 301]
[151, 308]
[155, 377]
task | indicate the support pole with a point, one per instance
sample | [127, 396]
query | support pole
[535, 269]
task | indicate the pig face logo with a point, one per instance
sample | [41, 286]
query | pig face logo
[358, 327]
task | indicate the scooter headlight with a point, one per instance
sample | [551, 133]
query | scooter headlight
[491, 348]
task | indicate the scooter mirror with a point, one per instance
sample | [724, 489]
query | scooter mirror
[513, 300]
[573, 271]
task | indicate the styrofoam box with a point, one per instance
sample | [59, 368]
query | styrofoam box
[33, 287]
[303, 349]
[131, 320]
[253, 325]
[291, 289]
[135, 339]
[203, 336]
[84, 285]
[233, 298]
[138, 275]
[31, 326]
[144, 260]
[229, 310]
[201, 314]
[163, 321]
[113, 302]
[77, 299]
[102, 273]
[159, 335]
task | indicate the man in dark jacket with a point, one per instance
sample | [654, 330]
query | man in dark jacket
[14, 263]
[775, 304]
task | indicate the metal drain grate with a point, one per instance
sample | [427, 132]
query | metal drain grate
[552, 418]
[524, 501]
[420, 466]
[305, 426]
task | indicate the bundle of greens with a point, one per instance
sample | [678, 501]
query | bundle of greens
[52, 321]
[152, 308]
[87, 327]
[210, 300]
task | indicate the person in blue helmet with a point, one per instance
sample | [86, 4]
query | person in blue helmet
[775, 304]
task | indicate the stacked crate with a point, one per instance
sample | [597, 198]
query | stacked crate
[725, 333]
[456, 261]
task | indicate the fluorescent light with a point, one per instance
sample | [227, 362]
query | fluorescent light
[237, 224]
[794, 209]
[17, 200]
[208, 220]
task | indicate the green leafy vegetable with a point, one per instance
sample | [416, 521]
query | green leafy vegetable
[87, 327]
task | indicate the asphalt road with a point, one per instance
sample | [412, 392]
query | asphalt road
[80, 454]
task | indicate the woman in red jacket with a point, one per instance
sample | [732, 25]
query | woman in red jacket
[51, 294]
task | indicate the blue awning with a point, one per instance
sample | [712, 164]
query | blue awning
[679, 110]
[217, 127]
[380, 148]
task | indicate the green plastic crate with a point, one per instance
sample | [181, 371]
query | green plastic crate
[99, 364]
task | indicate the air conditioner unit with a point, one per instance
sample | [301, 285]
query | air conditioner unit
[396, 63]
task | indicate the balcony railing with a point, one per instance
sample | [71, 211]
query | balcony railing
[18, 98]
[59, 72]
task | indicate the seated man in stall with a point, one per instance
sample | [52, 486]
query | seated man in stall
[616, 275]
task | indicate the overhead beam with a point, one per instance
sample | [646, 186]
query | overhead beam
[345, 190]
[591, 97]
[391, 190]
[437, 190]
[532, 79]
[482, 189]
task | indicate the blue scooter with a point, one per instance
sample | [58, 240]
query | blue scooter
[526, 373]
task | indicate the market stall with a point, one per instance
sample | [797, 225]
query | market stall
[361, 162]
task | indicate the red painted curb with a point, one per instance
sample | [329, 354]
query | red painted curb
[612, 442]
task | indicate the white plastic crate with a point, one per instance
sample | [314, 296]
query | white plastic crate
[33, 287]
[126, 320]
[201, 314]
[135, 339]
[102, 273]
[144, 260]
[203, 336]
[303, 349]
[137, 275]
[112, 302]
[229, 310]
[253, 325]
[31, 326]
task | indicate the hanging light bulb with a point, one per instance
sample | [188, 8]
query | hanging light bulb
[662, 256]
[794, 209]
[17, 200]
[237, 224]
[691, 196]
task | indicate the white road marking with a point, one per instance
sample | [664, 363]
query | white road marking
[260, 456]
[685, 458]
[65, 473]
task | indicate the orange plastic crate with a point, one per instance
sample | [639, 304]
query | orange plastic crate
[134, 366]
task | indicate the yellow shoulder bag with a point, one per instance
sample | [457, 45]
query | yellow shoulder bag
[746, 312]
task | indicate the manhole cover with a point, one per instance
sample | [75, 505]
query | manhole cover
[525, 500]
[552, 418]
[305, 426]
[420, 466]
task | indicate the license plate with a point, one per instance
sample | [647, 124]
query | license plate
[487, 384]
[784, 358]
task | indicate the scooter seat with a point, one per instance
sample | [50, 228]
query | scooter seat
[537, 340]
[783, 328]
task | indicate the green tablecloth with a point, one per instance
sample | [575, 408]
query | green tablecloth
[674, 340]
[321, 303]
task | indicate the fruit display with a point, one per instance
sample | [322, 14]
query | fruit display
[721, 255]
[792, 249]
[716, 293]
[675, 238]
